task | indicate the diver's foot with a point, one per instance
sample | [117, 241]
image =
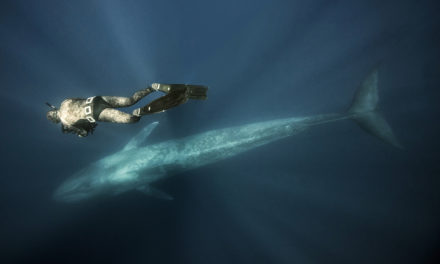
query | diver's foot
[137, 112]
[166, 88]
[192, 91]
[146, 110]
[155, 86]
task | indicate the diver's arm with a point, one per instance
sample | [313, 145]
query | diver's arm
[73, 129]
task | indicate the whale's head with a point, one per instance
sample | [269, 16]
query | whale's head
[85, 184]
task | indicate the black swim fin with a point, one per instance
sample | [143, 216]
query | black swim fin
[176, 94]
[198, 92]
[163, 103]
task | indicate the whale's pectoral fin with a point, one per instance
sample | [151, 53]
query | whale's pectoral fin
[139, 138]
[148, 190]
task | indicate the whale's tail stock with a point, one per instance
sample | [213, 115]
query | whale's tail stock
[364, 111]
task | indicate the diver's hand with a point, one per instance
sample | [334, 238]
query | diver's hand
[82, 133]
[79, 131]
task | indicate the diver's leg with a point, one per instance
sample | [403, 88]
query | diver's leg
[172, 99]
[119, 101]
[116, 116]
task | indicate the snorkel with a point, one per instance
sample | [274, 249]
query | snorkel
[51, 106]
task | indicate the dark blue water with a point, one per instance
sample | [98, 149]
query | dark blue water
[333, 194]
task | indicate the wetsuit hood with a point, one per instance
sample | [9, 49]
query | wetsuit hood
[52, 115]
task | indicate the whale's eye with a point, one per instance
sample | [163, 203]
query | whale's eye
[84, 186]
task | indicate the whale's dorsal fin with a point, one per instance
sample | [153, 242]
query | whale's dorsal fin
[139, 138]
[148, 190]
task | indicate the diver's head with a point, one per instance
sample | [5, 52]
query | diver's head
[52, 115]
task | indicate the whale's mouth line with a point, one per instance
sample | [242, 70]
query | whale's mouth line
[70, 195]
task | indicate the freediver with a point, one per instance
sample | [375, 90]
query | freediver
[80, 116]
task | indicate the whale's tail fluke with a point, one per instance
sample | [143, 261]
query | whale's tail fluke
[364, 110]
